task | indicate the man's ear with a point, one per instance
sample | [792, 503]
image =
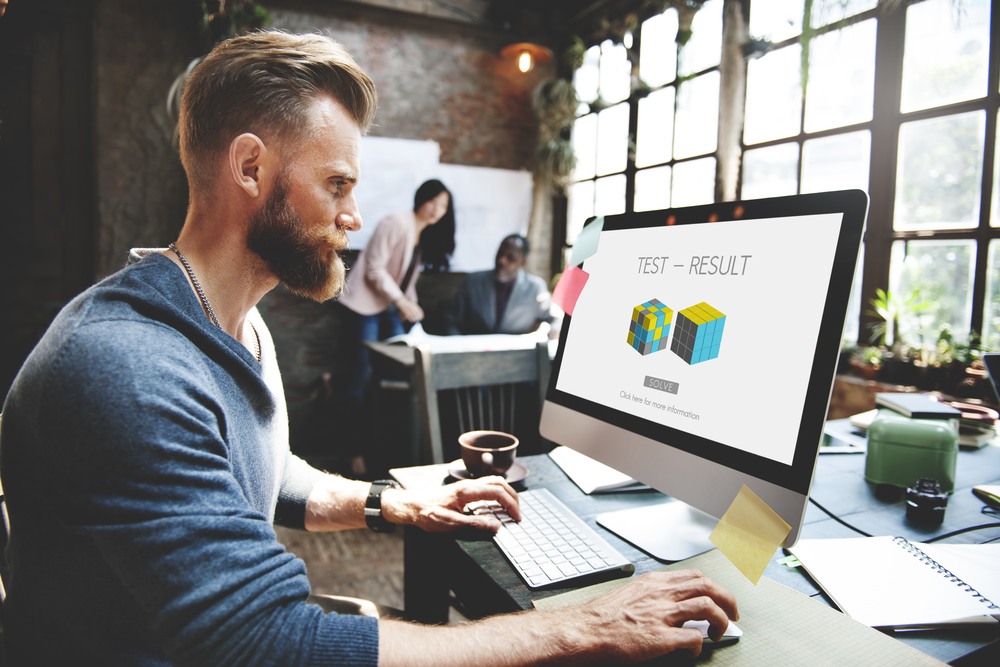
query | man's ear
[246, 157]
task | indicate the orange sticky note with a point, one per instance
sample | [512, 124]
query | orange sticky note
[749, 533]
[567, 291]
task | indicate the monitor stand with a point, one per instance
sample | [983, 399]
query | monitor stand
[670, 531]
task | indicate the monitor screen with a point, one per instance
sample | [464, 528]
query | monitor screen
[701, 351]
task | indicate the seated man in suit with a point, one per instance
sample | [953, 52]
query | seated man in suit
[506, 299]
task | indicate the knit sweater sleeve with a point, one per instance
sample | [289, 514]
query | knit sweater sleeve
[297, 483]
[140, 483]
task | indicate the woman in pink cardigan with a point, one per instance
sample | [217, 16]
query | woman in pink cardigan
[381, 294]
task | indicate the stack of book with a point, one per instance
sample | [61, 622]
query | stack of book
[976, 423]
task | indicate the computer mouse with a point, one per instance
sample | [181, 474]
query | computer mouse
[731, 634]
[989, 494]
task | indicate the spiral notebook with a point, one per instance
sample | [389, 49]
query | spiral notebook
[890, 582]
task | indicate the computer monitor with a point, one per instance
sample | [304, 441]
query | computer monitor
[700, 357]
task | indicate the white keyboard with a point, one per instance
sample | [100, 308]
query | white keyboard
[551, 544]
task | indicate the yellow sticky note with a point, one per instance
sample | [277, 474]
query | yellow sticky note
[749, 533]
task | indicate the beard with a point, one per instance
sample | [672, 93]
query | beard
[306, 262]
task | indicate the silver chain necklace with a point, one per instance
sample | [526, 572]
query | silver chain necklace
[204, 299]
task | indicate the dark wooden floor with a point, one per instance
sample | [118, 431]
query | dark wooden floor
[358, 563]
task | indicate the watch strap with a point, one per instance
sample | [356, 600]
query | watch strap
[373, 506]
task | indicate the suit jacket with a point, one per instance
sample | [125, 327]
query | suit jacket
[473, 310]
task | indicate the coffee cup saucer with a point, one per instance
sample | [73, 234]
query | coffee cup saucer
[516, 473]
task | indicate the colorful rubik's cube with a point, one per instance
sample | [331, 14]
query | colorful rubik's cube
[698, 334]
[650, 327]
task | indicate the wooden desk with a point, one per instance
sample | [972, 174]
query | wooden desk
[392, 375]
[483, 583]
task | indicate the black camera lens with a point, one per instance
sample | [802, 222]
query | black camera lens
[925, 502]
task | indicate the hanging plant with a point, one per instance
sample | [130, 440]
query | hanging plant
[221, 19]
[228, 18]
[555, 103]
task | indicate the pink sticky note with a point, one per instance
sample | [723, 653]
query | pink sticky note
[568, 289]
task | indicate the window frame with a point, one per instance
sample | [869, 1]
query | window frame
[884, 129]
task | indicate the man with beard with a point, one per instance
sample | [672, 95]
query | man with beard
[145, 445]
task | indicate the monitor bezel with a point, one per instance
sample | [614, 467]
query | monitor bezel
[853, 205]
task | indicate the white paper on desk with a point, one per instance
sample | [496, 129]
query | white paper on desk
[883, 584]
[593, 476]
[416, 336]
[980, 563]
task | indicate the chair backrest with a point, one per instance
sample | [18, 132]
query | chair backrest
[476, 390]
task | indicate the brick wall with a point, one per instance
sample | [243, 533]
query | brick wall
[438, 80]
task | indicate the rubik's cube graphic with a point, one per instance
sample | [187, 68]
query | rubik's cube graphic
[650, 327]
[698, 333]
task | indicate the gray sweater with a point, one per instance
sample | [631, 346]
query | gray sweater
[145, 455]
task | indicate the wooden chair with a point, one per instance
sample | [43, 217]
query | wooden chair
[477, 390]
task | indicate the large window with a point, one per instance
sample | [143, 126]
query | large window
[898, 100]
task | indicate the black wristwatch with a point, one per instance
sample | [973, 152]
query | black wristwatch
[373, 506]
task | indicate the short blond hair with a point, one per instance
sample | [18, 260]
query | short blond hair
[264, 82]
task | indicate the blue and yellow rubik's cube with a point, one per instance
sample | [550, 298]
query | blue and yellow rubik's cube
[650, 327]
[698, 334]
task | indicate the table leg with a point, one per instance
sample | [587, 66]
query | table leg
[425, 589]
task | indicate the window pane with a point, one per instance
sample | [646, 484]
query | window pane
[697, 116]
[616, 72]
[609, 195]
[825, 12]
[841, 77]
[585, 146]
[658, 49]
[946, 54]
[852, 333]
[694, 183]
[991, 318]
[939, 172]
[774, 96]
[612, 139]
[940, 273]
[652, 189]
[704, 49]
[776, 20]
[771, 171]
[994, 213]
[655, 141]
[579, 207]
[587, 78]
[836, 163]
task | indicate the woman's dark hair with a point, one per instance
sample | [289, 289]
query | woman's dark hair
[437, 242]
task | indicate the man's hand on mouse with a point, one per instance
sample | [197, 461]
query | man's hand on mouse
[646, 615]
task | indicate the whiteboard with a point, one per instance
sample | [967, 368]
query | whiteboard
[391, 172]
[489, 203]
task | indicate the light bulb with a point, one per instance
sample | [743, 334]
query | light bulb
[525, 63]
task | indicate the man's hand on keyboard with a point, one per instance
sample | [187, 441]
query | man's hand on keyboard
[642, 619]
[442, 509]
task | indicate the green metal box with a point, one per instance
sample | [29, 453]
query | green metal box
[902, 450]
